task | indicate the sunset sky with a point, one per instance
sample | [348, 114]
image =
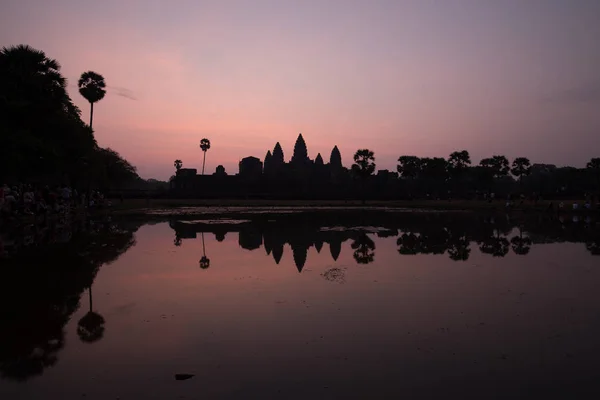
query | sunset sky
[420, 77]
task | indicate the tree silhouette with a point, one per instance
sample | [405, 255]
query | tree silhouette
[363, 167]
[458, 162]
[521, 167]
[495, 245]
[458, 248]
[204, 146]
[594, 166]
[363, 249]
[521, 245]
[458, 165]
[92, 88]
[409, 166]
[91, 326]
[435, 170]
[408, 244]
[178, 164]
[593, 246]
[498, 165]
[41, 132]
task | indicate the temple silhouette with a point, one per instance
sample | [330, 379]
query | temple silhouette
[300, 177]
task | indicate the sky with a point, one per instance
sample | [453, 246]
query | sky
[400, 77]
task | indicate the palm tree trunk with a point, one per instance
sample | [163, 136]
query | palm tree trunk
[203, 248]
[203, 162]
[90, 293]
[91, 114]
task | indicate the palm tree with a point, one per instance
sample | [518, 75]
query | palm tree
[92, 87]
[521, 167]
[498, 165]
[178, 164]
[90, 328]
[364, 166]
[458, 163]
[28, 77]
[205, 146]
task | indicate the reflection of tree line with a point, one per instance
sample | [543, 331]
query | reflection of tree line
[41, 287]
[449, 235]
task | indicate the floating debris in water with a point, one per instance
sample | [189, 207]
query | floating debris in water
[334, 275]
[183, 377]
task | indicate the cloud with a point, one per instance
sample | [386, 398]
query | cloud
[582, 94]
[119, 91]
[123, 92]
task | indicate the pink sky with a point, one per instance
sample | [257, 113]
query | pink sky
[399, 77]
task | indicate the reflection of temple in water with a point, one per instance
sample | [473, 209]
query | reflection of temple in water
[273, 237]
[415, 234]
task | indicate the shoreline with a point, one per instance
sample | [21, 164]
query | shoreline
[164, 209]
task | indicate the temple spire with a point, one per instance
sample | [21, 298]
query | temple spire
[319, 160]
[300, 151]
[277, 154]
[267, 165]
[335, 160]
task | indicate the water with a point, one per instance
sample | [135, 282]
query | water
[411, 306]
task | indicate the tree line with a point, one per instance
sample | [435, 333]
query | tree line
[455, 176]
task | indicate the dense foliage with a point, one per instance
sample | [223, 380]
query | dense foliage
[456, 177]
[42, 136]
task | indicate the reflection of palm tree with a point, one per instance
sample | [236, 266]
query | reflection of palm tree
[458, 248]
[204, 261]
[497, 245]
[177, 241]
[91, 327]
[521, 245]
[593, 247]
[363, 249]
[433, 242]
[408, 244]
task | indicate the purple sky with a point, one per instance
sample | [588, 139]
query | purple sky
[421, 77]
